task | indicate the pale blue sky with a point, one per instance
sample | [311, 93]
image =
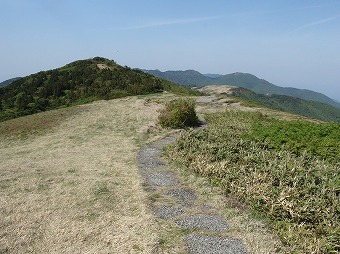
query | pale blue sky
[292, 43]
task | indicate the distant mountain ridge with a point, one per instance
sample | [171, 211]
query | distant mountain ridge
[188, 77]
[8, 81]
[238, 79]
[213, 75]
[294, 105]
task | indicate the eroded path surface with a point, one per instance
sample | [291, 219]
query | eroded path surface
[177, 205]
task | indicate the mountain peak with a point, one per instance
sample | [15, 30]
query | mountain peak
[240, 79]
[77, 82]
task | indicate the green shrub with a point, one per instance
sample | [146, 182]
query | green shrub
[179, 113]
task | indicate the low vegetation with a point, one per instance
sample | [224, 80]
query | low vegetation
[179, 113]
[37, 124]
[294, 186]
[320, 140]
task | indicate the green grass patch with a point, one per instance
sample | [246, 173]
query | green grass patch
[100, 189]
[35, 124]
[321, 140]
[297, 191]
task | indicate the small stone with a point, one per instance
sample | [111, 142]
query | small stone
[161, 178]
[184, 194]
[203, 221]
[168, 212]
[204, 244]
[148, 158]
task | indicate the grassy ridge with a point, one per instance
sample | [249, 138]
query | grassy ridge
[298, 193]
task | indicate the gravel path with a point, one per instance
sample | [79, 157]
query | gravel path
[180, 205]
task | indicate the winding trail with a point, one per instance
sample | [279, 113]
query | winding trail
[180, 205]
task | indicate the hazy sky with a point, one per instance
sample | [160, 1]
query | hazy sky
[292, 43]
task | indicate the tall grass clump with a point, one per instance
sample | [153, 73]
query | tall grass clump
[179, 113]
[297, 191]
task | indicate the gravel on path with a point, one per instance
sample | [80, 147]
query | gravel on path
[168, 212]
[187, 213]
[161, 178]
[204, 244]
[202, 221]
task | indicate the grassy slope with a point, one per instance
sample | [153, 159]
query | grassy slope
[68, 187]
[78, 178]
[298, 193]
[63, 180]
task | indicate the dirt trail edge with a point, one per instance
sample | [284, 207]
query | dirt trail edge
[177, 205]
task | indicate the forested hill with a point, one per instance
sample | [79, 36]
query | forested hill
[245, 80]
[75, 83]
[312, 109]
[9, 81]
[262, 86]
[188, 77]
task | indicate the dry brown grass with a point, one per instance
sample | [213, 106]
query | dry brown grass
[69, 182]
[76, 187]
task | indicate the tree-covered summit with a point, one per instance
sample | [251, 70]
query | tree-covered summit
[75, 83]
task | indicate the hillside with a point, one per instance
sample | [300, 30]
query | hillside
[239, 79]
[8, 81]
[312, 109]
[77, 83]
[188, 77]
[262, 86]
[213, 75]
[287, 171]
